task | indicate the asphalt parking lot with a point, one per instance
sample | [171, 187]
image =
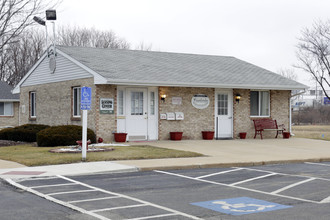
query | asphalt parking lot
[289, 191]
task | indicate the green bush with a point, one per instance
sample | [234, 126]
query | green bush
[63, 136]
[26, 133]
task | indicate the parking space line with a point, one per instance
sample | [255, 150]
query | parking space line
[36, 178]
[131, 198]
[292, 185]
[68, 192]
[10, 181]
[121, 207]
[96, 199]
[238, 187]
[45, 186]
[214, 174]
[326, 200]
[255, 178]
[153, 217]
[320, 164]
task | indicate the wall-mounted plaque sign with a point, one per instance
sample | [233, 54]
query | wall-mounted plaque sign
[106, 106]
[200, 101]
[176, 100]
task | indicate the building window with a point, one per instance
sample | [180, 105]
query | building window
[152, 103]
[76, 101]
[33, 112]
[120, 102]
[259, 103]
[6, 109]
[222, 104]
[136, 103]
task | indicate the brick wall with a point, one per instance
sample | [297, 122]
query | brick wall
[54, 103]
[10, 121]
[195, 120]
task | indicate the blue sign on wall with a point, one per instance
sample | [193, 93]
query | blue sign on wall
[86, 98]
[240, 206]
[326, 101]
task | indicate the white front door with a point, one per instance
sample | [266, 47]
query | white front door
[137, 114]
[224, 114]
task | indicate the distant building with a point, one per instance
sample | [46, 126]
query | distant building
[313, 97]
[9, 106]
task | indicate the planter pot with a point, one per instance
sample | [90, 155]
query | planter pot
[120, 137]
[242, 135]
[208, 135]
[286, 135]
[176, 136]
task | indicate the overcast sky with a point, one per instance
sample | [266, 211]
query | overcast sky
[262, 32]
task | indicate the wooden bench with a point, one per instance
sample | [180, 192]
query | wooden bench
[267, 124]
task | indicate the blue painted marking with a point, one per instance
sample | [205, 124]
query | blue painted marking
[240, 206]
[86, 98]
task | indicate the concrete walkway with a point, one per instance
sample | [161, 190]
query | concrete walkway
[218, 153]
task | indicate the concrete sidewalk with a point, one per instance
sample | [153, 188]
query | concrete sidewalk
[218, 153]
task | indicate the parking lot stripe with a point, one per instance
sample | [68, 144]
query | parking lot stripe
[121, 207]
[238, 187]
[131, 198]
[10, 181]
[68, 192]
[320, 164]
[326, 200]
[255, 178]
[152, 217]
[214, 174]
[96, 199]
[292, 185]
[45, 186]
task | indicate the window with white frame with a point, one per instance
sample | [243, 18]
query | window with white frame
[33, 112]
[6, 109]
[259, 103]
[76, 101]
[152, 103]
[120, 102]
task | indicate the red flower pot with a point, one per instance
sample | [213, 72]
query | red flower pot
[120, 137]
[242, 135]
[208, 135]
[286, 135]
[176, 136]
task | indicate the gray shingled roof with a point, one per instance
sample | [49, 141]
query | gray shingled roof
[5, 92]
[175, 69]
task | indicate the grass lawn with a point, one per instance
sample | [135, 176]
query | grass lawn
[37, 156]
[321, 132]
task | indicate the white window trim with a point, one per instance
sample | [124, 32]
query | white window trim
[73, 104]
[34, 105]
[260, 116]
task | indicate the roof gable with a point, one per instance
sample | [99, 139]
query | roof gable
[6, 94]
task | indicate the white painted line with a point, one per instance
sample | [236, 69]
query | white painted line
[45, 186]
[68, 192]
[237, 187]
[152, 217]
[131, 198]
[214, 174]
[96, 199]
[36, 178]
[10, 181]
[326, 200]
[121, 207]
[320, 164]
[285, 174]
[292, 185]
[255, 178]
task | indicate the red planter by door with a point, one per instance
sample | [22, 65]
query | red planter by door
[176, 136]
[286, 135]
[120, 137]
[208, 135]
[242, 135]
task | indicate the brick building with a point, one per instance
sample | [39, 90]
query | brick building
[149, 94]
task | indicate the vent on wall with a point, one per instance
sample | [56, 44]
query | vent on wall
[137, 138]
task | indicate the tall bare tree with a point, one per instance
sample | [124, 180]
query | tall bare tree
[314, 53]
[288, 73]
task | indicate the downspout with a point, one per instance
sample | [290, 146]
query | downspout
[290, 115]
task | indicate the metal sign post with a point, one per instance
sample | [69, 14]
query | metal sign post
[85, 105]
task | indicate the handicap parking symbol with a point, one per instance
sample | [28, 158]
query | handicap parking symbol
[240, 206]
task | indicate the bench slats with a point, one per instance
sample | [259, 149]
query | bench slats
[263, 124]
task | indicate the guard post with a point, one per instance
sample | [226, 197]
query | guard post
[85, 105]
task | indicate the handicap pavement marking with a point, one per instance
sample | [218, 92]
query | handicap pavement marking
[240, 206]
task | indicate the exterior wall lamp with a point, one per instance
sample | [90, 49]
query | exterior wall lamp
[163, 97]
[237, 97]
